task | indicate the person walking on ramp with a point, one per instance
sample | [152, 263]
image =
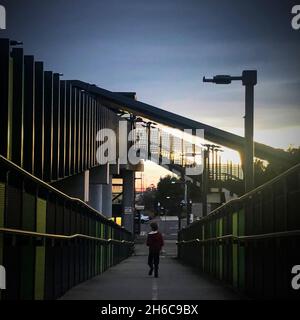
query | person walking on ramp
[155, 242]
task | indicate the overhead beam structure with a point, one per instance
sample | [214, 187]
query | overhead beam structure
[119, 101]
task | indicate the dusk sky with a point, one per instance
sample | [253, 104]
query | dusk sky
[162, 49]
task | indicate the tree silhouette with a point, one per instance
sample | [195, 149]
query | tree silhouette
[264, 171]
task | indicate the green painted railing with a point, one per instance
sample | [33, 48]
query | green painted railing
[253, 242]
[50, 242]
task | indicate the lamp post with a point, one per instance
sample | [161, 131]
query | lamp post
[249, 80]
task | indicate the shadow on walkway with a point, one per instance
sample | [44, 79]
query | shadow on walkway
[129, 280]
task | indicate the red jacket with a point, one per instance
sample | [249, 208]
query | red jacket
[155, 241]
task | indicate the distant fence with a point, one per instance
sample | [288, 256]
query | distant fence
[251, 243]
[50, 242]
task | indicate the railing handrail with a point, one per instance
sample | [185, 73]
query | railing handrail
[247, 195]
[60, 236]
[58, 192]
[270, 235]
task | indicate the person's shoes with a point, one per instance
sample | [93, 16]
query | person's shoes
[156, 274]
[150, 272]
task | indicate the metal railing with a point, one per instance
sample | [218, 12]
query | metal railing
[49, 242]
[253, 242]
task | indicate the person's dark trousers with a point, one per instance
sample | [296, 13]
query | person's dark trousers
[153, 260]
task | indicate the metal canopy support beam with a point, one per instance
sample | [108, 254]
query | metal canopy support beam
[5, 76]
[73, 130]
[62, 131]
[48, 124]
[116, 101]
[18, 106]
[56, 125]
[82, 128]
[68, 129]
[78, 131]
[39, 120]
[29, 113]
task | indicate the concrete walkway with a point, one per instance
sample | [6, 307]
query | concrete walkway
[130, 281]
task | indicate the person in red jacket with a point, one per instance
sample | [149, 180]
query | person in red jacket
[155, 242]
